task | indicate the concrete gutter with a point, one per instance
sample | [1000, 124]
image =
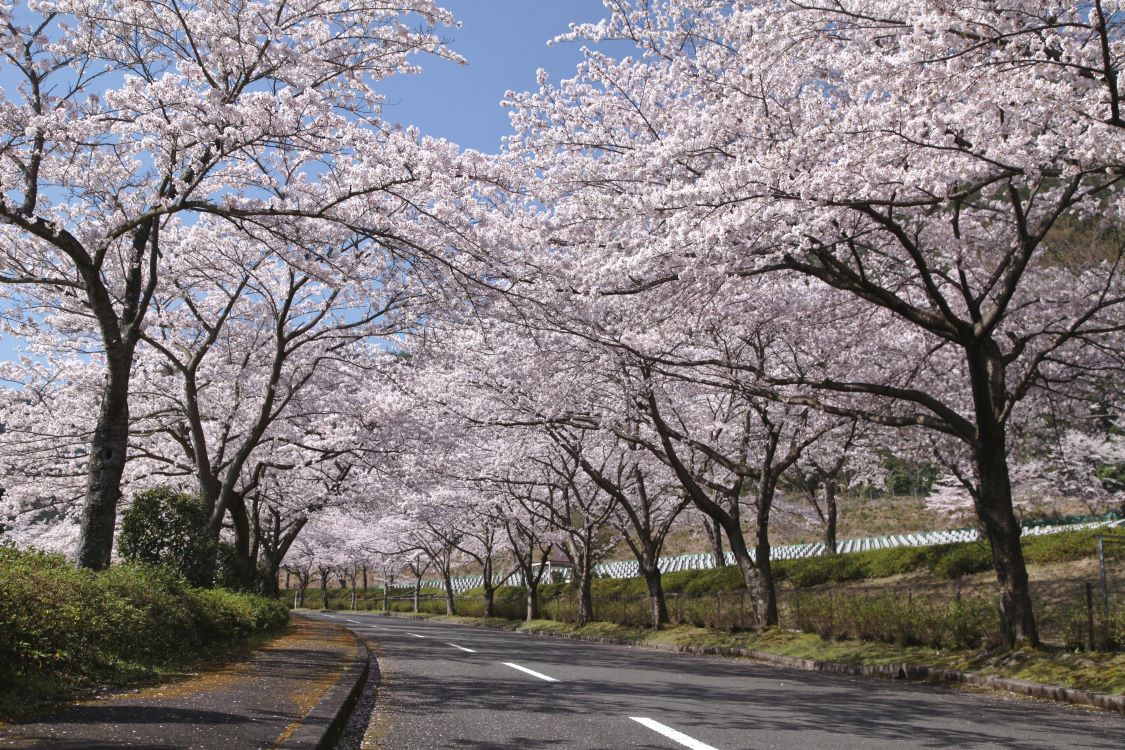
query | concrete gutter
[901, 671]
[321, 726]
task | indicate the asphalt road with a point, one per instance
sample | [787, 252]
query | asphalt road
[449, 686]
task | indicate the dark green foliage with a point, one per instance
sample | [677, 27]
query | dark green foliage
[909, 477]
[78, 625]
[728, 578]
[1065, 546]
[963, 559]
[168, 528]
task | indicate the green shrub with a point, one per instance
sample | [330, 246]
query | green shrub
[963, 559]
[79, 625]
[169, 528]
[1065, 546]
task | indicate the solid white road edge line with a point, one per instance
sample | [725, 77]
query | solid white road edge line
[672, 734]
[466, 650]
[531, 672]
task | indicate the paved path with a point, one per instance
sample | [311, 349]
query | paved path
[448, 686]
[252, 704]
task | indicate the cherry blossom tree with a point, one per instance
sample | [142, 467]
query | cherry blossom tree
[124, 115]
[926, 169]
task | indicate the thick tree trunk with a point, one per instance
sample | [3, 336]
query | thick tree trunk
[830, 515]
[750, 576]
[246, 567]
[766, 489]
[324, 589]
[106, 464]
[994, 503]
[386, 595]
[1002, 529]
[365, 579]
[489, 601]
[269, 585]
[715, 538]
[417, 592]
[765, 575]
[658, 607]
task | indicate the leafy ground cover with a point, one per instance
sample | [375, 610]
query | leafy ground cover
[66, 632]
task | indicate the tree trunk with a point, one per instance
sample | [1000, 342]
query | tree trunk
[765, 575]
[489, 587]
[994, 501]
[532, 601]
[246, 568]
[585, 597]
[489, 601]
[417, 593]
[1002, 529]
[448, 581]
[270, 585]
[715, 539]
[658, 607]
[106, 463]
[750, 576]
[386, 595]
[830, 515]
[324, 589]
[365, 579]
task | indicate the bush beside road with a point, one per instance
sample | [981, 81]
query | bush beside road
[66, 631]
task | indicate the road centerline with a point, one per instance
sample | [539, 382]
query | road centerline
[415, 634]
[672, 734]
[531, 672]
[466, 650]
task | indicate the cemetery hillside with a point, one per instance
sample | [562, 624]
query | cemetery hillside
[781, 330]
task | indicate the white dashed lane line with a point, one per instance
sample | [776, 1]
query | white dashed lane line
[689, 742]
[531, 672]
[466, 650]
[415, 634]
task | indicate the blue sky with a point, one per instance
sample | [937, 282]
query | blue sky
[504, 41]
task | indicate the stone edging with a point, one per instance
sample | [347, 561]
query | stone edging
[887, 671]
[321, 726]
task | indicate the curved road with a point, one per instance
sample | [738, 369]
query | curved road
[449, 686]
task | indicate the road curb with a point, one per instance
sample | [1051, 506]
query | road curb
[900, 671]
[321, 726]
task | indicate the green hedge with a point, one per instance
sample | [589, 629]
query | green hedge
[78, 625]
